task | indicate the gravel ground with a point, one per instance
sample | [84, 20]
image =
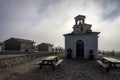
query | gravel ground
[70, 69]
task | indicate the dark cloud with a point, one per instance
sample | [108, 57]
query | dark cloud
[111, 9]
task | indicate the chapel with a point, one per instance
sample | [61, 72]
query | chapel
[82, 41]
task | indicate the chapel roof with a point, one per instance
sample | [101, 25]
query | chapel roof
[82, 34]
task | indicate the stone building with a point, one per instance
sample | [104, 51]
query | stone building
[45, 47]
[82, 40]
[18, 44]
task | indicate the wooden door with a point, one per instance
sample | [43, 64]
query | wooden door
[79, 48]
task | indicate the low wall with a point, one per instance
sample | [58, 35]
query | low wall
[10, 61]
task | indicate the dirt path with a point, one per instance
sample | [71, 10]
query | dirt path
[70, 69]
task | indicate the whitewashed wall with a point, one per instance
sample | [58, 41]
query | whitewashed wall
[90, 42]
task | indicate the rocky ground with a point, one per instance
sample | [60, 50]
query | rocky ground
[70, 69]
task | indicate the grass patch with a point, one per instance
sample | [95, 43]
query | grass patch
[59, 54]
[116, 57]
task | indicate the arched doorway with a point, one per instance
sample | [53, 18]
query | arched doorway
[79, 48]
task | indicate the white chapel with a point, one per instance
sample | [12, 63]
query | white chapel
[81, 40]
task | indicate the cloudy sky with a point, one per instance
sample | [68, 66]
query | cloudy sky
[48, 20]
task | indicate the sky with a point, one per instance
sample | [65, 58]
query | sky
[47, 20]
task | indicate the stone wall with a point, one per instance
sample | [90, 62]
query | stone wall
[10, 61]
[90, 42]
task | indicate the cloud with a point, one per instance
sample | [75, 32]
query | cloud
[48, 20]
[110, 34]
